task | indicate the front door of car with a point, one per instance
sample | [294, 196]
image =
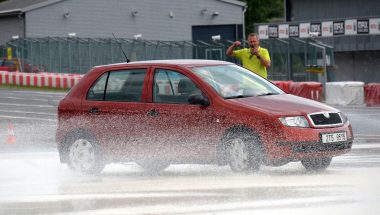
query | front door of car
[115, 107]
[182, 131]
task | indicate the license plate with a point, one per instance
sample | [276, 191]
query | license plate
[334, 137]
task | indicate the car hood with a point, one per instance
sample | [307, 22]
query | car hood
[282, 104]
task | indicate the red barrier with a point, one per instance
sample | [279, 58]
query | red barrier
[372, 94]
[310, 90]
[283, 85]
[52, 80]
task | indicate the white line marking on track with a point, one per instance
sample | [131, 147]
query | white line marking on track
[29, 118]
[27, 105]
[27, 112]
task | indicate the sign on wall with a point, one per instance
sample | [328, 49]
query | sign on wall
[304, 30]
[327, 29]
[350, 27]
[374, 26]
[283, 31]
[363, 26]
[263, 31]
[273, 31]
[338, 28]
[316, 29]
[294, 31]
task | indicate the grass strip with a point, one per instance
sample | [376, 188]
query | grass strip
[17, 87]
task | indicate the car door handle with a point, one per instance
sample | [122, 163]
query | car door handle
[153, 112]
[94, 110]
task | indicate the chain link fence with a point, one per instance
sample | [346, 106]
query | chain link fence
[292, 59]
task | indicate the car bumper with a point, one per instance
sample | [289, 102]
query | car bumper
[296, 144]
[304, 148]
[294, 151]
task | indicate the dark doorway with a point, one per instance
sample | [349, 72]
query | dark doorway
[226, 32]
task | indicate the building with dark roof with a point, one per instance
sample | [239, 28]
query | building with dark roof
[166, 20]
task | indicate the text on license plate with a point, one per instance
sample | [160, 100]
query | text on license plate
[334, 137]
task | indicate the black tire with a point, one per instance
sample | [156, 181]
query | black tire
[84, 154]
[316, 164]
[153, 166]
[244, 152]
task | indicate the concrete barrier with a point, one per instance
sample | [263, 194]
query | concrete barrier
[345, 93]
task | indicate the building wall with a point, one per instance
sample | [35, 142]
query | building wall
[356, 57]
[306, 10]
[357, 66]
[10, 26]
[99, 18]
[353, 43]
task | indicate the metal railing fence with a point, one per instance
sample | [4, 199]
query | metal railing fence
[291, 58]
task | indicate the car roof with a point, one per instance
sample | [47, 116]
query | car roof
[178, 62]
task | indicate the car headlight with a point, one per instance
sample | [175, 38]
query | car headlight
[343, 117]
[295, 121]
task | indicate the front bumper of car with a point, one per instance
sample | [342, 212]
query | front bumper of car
[321, 147]
[299, 150]
[298, 143]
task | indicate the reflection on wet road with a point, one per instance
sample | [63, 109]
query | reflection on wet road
[34, 183]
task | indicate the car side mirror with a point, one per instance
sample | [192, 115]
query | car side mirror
[197, 98]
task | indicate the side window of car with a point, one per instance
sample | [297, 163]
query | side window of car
[126, 85]
[172, 87]
[96, 92]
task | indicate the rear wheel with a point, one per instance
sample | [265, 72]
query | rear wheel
[244, 152]
[316, 164]
[84, 155]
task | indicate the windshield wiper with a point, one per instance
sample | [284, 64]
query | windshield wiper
[238, 97]
[267, 94]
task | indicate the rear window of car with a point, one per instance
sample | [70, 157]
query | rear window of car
[123, 85]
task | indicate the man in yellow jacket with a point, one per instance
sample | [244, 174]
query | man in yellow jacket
[254, 58]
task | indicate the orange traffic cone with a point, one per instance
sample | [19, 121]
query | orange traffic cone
[11, 138]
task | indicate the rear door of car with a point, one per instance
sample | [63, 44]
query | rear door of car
[181, 131]
[116, 107]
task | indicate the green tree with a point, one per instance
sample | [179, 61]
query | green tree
[262, 11]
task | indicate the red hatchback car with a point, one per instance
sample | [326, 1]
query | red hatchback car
[8, 65]
[157, 113]
[13, 65]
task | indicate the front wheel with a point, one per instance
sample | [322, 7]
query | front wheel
[244, 152]
[85, 156]
[316, 164]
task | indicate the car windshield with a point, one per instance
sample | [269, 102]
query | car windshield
[232, 81]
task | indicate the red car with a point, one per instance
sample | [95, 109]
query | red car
[7, 65]
[157, 113]
[13, 65]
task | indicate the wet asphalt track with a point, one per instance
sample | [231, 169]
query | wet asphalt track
[32, 181]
